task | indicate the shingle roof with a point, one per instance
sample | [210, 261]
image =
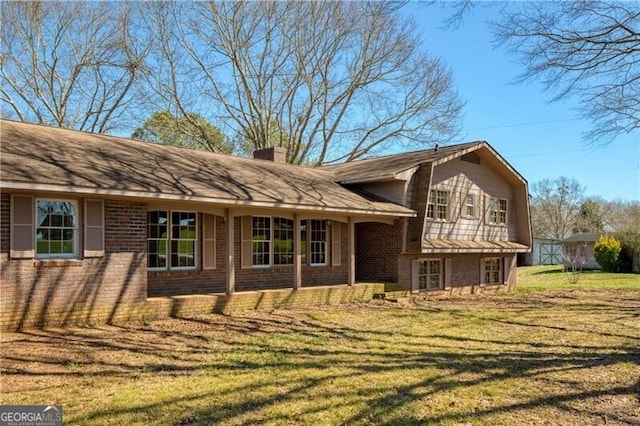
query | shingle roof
[583, 237]
[53, 159]
[386, 167]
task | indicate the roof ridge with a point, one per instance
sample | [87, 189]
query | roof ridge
[400, 154]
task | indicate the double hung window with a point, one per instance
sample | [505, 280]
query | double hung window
[438, 206]
[171, 239]
[497, 211]
[56, 228]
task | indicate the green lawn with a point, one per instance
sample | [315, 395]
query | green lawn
[531, 357]
[534, 278]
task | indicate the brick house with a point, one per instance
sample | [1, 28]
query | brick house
[95, 228]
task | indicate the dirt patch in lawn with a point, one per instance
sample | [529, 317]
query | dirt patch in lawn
[561, 357]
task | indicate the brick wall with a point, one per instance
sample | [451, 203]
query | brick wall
[187, 306]
[377, 249]
[110, 288]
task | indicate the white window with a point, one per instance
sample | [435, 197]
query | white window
[470, 206]
[430, 274]
[493, 270]
[318, 242]
[497, 211]
[268, 241]
[261, 241]
[171, 240]
[438, 205]
[282, 241]
[56, 228]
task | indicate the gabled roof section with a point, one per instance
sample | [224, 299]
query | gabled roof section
[390, 166]
[35, 157]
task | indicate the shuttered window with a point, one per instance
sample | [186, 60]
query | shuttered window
[497, 211]
[431, 274]
[56, 228]
[492, 270]
[268, 241]
[438, 206]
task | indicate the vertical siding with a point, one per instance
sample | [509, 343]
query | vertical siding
[419, 196]
[461, 178]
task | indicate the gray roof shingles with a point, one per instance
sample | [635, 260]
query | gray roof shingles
[61, 159]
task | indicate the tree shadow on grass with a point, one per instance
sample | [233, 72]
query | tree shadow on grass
[291, 367]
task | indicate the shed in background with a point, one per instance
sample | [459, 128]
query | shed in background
[544, 251]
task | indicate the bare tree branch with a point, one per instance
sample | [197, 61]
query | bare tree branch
[333, 81]
[71, 64]
[587, 49]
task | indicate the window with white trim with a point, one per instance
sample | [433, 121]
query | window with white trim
[261, 241]
[470, 206]
[269, 241]
[282, 241]
[317, 242]
[430, 274]
[171, 240]
[498, 211]
[56, 228]
[493, 270]
[438, 205]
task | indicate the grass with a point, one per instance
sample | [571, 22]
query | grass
[545, 277]
[532, 357]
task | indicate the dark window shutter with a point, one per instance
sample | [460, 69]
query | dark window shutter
[93, 228]
[209, 242]
[22, 227]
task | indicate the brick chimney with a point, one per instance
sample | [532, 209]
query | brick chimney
[277, 154]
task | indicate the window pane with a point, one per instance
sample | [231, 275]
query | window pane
[318, 242]
[55, 232]
[282, 241]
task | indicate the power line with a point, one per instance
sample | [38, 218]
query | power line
[532, 123]
[569, 151]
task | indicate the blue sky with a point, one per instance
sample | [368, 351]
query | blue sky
[540, 139]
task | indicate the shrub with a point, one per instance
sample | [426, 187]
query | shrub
[630, 252]
[607, 253]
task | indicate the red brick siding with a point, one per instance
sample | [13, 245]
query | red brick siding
[189, 306]
[377, 249]
[65, 292]
[168, 283]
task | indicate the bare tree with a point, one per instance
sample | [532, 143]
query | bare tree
[337, 80]
[71, 64]
[590, 49]
[555, 206]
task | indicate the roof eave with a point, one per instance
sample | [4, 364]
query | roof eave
[70, 189]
